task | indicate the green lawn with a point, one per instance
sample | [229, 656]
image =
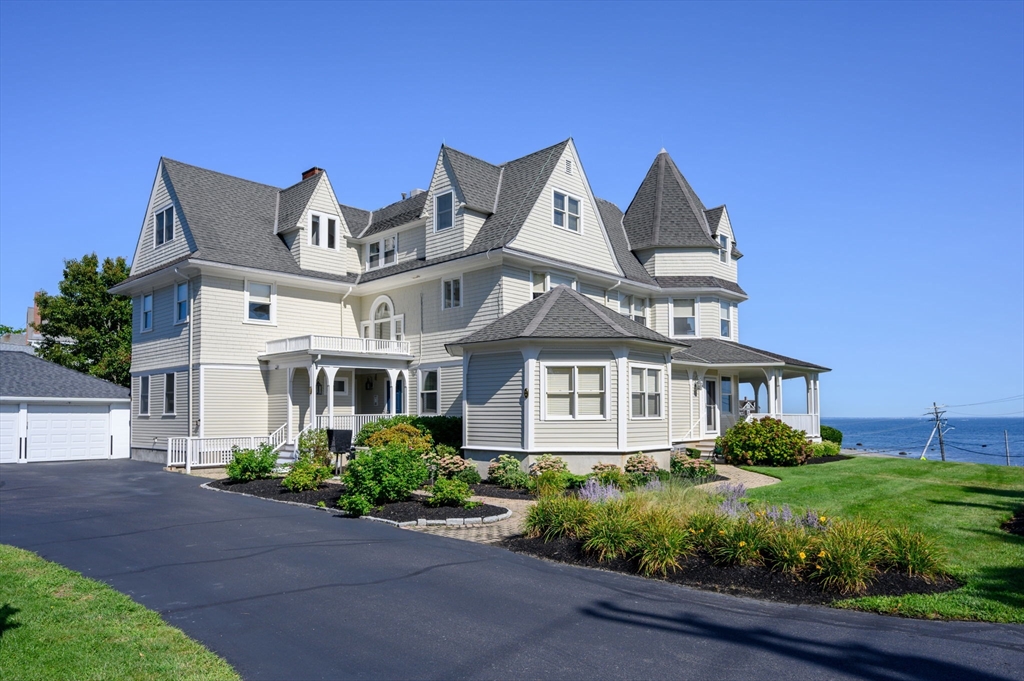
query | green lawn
[56, 624]
[960, 506]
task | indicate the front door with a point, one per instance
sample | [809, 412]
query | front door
[711, 405]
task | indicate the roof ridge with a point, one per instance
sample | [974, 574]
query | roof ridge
[475, 158]
[691, 197]
[217, 172]
[543, 311]
[497, 190]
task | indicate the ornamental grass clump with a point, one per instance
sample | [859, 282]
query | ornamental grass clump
[549, 483]
[612, 532]
[847, 554]
[789, 549]
[764, 442]
[911, 553]
[661, 541]
[704, 527]
[507, 472]
[559, 516]
[739, 542]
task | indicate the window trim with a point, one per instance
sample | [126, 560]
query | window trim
[727, 304]
[461, 291]
[380, 243]
[723, 254]
[721, 394]
[632, 308]
[174, 213]
[567, 195]
[420, 391]
[273, 304]
[672, 318]
[144, 390]
[575, 416]
[324, 225]
[142, 317]
[174, 394]
[662, 407]
[177, 303]
[334, 383]
[450, 192]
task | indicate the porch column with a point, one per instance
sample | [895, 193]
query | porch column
[779, 409]
[622, 377]
[770, 383]
[809, 382]
[529, 398]
[392, 375]
[816, 403]
[313, 370]
[330, 373]
[288, 391]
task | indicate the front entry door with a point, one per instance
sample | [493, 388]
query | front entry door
[711, 405]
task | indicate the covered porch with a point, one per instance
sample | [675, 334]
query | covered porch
[766, 397]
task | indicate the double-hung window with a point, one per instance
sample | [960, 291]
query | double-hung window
[181, 303]
[382, 252]
[444, 211]
[645, 388]
[147, 312]
[726, 318]
[144, 396]
[323, 231]
[428, 392]
[259, 302]
[726, 395]
[575, 392]
[723, 254]
[684, 319]
[451, 293]
[634, 307]
[567, 212]
[169, 394]
[164, 225]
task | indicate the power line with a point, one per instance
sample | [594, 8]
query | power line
[1001, 399]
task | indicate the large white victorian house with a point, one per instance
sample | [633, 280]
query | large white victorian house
[507, 294]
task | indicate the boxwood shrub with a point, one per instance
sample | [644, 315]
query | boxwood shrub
[832, 435]
[443, 430]
[380, 476]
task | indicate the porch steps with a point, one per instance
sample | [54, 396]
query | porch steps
[706, 447]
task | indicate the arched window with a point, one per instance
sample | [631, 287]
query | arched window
[384, 324]
[382, 317]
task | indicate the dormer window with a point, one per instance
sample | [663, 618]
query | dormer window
[444, 211]
[723, 254]
[382, 252]
[323, 231]
[164, 225]
[567, 212]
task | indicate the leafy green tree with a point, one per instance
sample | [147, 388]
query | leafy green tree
[4, 330]
[84, 327]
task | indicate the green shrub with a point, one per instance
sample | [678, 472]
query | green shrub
[507, 471]
[832, 434]
[739, 542]
[610, 474]
[251, 464]
[789, 549]
[641, 463]
[549, 463]
[446, 430]
[404, 434]
[445, 462]
[447, 492]
[824, 448]
[910, 552]
[313, 443]
[848, 550]
[693, 453]
[380, 476]
[470, 476]
[661, 541]
[683, 466]
[375, 426]
[764, 442]
[611, 532]
[548, 483]
[559, 516]
[704, 527]
[306, 474]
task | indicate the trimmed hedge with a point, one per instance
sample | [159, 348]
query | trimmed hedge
[832, 435]
[443, 430]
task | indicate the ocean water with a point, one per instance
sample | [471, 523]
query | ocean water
[974, 440]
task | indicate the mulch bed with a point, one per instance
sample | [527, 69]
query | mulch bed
[402, 511]
[700, 572]
[828, 459]
[486, 489]
[1015, 525]
[329, 493]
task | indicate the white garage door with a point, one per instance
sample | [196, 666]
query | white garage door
[68, 432]
[8, 433]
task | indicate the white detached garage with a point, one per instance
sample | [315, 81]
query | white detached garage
[52, 413]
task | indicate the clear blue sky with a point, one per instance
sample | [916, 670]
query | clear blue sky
[871, 154]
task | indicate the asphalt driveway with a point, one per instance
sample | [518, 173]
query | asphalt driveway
[284, 592]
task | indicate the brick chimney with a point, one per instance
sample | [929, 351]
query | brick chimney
[311, 172]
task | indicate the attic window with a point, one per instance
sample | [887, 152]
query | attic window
[567, 212]
[723, 254]
[164, 225]
[443, 211]
[323, 231]
[381, 252]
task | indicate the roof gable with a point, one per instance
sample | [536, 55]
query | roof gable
[665, 211]
[147, 254]
[293, 201]
[477, 180]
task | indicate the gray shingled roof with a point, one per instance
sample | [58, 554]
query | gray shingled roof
[714, 216]
[699, 282]
[477, 179]
[396, 214]
[611, 216]
[665, 210]
[25, 375]
[294, 200]
[716, 351]
[567, 314]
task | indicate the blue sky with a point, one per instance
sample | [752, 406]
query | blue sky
[871, 154]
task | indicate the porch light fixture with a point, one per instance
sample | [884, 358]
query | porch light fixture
[369, 384]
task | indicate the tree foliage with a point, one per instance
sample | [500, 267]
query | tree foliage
[4, 330]
[84, 327]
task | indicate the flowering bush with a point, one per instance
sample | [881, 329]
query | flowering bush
[604, 468]
[403, 434]
[444, 462]
[684, 466]
[507, 471]
[549, 462]
[641, 463]
[594, 490]
[764, 442]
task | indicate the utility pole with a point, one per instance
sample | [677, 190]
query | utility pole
[938, 427]
[1006, 441]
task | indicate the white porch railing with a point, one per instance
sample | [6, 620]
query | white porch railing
[353, 422]
[339, 344]
[208, 452]
[809, 423]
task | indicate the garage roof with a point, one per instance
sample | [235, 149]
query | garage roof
[24, 375]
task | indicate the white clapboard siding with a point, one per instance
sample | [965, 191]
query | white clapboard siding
[451, 240]
[579, 435]
[167, 344]
[235, 402]
[683, 414]
[319, 258]
[681, 262]
[516, 288]
[451, 391]
[153, 430]
[148, 255]
[589, 246]
[494, 397]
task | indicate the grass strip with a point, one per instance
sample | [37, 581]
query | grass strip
[960, 506]
[56, 624]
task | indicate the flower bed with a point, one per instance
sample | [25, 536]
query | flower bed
[413, 510]
[271, 488]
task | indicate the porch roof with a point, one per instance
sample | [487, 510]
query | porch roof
[717, 351]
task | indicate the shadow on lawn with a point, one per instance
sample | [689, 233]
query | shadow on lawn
[7, 611]
[1002, 584]
[846, 658]
[997, 492]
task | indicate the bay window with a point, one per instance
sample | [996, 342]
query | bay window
[645, 391]
[575, 391]
[726, 318]
[684, 318]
